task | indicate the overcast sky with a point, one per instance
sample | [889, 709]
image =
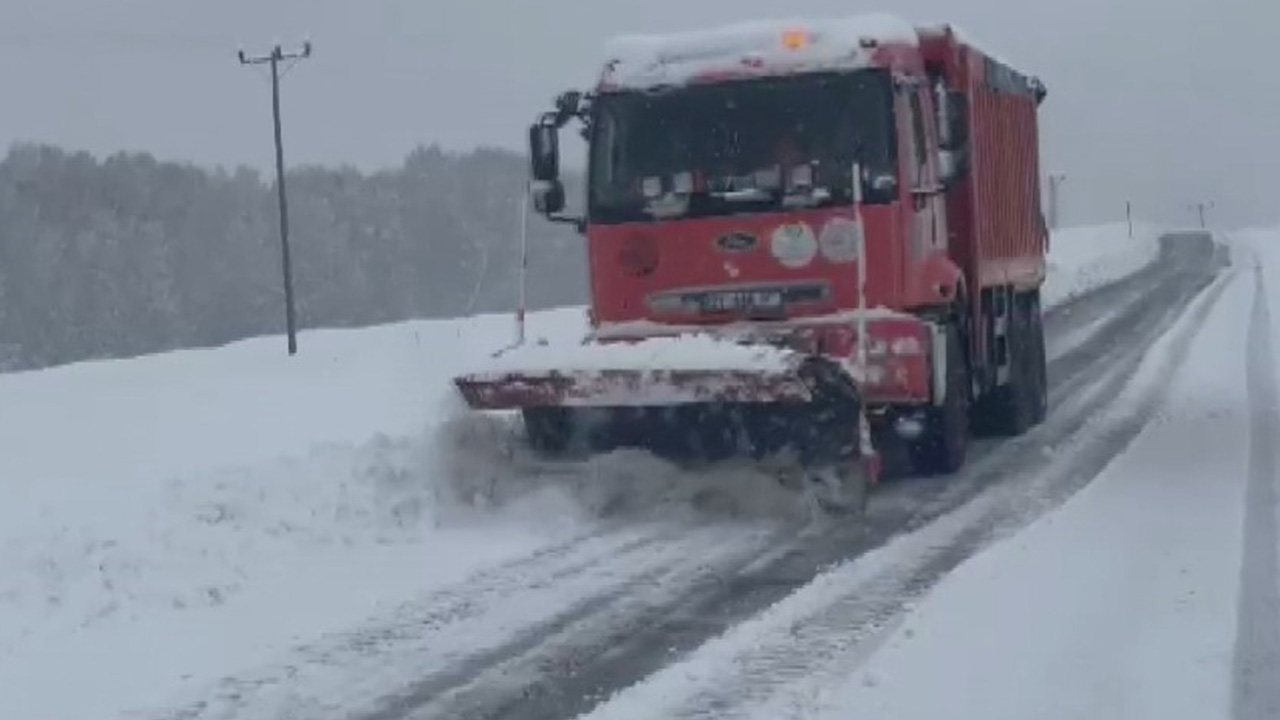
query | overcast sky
[1164, 102]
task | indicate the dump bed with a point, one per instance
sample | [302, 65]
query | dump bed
[997, 230]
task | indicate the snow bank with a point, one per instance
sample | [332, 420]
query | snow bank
[759, 47]
[1085, 258]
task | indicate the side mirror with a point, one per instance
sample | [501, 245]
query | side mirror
[544, 152]
[548, 196]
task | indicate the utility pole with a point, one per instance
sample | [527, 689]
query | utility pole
[1055, 182]
[1128, 216]
[274, 58]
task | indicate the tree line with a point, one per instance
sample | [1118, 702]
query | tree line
[129, 255]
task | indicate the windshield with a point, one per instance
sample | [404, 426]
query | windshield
[738, 147]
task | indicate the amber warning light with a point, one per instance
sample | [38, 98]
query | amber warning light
[794, 39]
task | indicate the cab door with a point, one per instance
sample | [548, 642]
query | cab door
[924, 213]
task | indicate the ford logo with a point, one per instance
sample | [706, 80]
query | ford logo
[736, 242]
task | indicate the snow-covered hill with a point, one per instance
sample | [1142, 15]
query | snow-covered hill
[171, 519]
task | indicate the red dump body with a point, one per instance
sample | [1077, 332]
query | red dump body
[998, 234]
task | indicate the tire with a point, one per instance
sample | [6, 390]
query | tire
[944, 446]
[1010, 409]
[550, 430]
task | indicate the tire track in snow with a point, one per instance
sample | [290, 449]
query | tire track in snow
[1256, 666]
[513, 670]
[436, 640]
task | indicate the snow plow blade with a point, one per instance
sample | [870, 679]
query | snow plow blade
[629, 388]
[651, 372]
[688, 397]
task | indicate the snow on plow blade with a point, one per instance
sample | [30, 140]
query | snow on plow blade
[629, 388]
[648, 373]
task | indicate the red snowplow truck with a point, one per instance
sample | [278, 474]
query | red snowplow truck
[805, 239]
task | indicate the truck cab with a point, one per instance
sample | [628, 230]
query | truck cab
[859, 190]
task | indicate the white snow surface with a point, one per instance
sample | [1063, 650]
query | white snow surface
[1084, 258]
[756, 47]
[173, 519]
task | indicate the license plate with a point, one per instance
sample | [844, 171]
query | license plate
[743, 300]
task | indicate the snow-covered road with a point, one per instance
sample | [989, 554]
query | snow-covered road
[1118, 561]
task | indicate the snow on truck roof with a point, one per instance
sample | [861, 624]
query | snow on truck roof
[766, 46]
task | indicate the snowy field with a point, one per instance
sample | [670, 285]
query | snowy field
[173, 519]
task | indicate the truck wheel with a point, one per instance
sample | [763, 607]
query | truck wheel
[549, 429]
[945, 444]
[1010, 409]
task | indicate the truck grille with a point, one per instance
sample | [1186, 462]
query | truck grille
[766, 299]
